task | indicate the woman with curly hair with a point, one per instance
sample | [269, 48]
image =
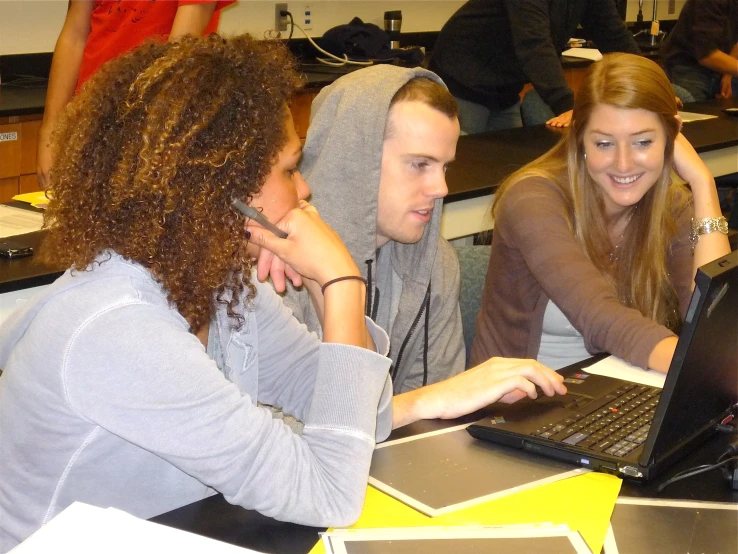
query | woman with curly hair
[134, 380]
[591, 249]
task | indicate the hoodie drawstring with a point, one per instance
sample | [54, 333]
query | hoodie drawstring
[425, 335]
[424, 307]
[372, 294]
[369, 289]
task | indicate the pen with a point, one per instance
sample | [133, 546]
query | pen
[260, 218]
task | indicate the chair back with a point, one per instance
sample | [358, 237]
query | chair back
[473, 260]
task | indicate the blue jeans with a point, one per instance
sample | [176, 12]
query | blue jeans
[700, 82]
[534, 110]
[475, 118]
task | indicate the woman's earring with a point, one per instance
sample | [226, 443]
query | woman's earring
[585, 155]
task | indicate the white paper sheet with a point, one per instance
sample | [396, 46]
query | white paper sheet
[16, 221]
[85, 529]
[691, 116]
[617, 368]
[584, 53]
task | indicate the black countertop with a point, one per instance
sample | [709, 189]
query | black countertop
[17, 99]
[25, 273]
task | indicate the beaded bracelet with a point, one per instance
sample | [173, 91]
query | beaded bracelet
[345, 278]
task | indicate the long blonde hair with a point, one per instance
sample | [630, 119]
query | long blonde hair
[639, 274]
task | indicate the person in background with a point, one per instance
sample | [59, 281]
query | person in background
[595, 249]
[701, 52]
[133, 380]
[490, 49]
[96, 31]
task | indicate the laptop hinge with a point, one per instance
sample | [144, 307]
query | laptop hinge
[680, 449]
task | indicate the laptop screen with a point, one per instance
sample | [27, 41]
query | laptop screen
[702, 383]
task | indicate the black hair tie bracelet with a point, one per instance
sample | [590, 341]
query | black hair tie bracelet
[345, 278]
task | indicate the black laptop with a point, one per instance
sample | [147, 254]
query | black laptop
[633, 430]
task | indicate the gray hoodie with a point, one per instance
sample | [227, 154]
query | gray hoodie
[414, 291]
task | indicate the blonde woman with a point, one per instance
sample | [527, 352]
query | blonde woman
[592, 249]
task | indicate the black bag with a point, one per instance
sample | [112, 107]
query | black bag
[357, 40]
[363, 41]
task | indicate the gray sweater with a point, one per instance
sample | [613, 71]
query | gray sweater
[108, 399]
[341, 162]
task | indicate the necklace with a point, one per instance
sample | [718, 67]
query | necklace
[615, 250]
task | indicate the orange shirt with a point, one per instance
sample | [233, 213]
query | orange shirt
[117, 26]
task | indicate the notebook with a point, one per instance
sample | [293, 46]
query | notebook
[633, 430]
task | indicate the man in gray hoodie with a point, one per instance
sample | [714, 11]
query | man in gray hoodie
[375, 157]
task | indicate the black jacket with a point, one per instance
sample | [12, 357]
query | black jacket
[490, 49]
[703, 27]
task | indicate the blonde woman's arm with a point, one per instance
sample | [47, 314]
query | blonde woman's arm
[690, 167]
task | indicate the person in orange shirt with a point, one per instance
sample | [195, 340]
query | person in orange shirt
[96, 31]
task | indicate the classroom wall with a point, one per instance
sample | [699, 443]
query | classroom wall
[28, 26]
[665, 9]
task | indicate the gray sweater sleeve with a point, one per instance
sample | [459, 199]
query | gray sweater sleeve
[286, 377]
[152, 384]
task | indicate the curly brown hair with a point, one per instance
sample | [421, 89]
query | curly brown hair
[150, 154]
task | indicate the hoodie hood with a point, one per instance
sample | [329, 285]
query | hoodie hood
[342, 162]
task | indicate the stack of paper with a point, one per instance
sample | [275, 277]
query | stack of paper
[85, 529]
[17, 221]
[582, 503]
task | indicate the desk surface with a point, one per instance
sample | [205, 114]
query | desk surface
[25, 273]
[216, 518]
[484, 160]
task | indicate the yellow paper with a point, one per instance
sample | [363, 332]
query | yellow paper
[381, 510]
[584, 503]
[36, 199]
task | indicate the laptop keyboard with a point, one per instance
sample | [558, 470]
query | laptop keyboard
[617, 426]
